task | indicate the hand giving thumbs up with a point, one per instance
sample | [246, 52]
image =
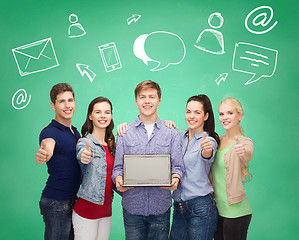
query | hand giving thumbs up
[239, 148]
[206, 146]
[86, 154]
[42, 154]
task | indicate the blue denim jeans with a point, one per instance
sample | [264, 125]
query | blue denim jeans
[152, 227]
[194, 219]
[57, 216]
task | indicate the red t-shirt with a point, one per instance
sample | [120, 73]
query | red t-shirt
[91, 210]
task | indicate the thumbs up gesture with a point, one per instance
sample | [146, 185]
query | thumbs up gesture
[206, 146]
[42, 154]
[239, 148]
[86, 154]
[43, 145]
[45, 152]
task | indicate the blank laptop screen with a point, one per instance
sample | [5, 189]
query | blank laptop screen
[147, 170]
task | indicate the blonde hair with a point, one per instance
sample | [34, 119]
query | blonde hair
[238, 107]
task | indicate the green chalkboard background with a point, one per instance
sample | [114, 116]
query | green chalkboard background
[270, 104]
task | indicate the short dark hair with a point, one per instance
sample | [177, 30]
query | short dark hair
[146, 85]
[59, 88]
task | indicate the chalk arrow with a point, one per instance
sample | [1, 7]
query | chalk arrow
[84, 69]
[135, 18]
[222, 77]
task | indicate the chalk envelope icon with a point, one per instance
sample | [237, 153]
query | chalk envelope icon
[256, 60]
[139, 50]
[35, 57]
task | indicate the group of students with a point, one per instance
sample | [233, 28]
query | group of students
[207, 171]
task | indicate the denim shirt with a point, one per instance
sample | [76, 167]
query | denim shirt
[195, 182]
[148, 200]
[94, 174]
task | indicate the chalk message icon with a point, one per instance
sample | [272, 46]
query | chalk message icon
[35, 57]
[165, 49]
[256, 60]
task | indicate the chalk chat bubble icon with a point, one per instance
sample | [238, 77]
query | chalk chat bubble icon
[164, 48]
[254, 59]
[139, 50]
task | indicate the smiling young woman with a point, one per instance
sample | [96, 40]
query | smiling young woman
[195, 214]
[229, 170]
[95, 152]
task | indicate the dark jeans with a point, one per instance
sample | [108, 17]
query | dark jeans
[57, 216]
[152, 227]
[195, 219]
[232, 228]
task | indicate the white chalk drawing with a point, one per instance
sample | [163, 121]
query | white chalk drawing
[84, 69]
[75, 29]
[222, 77]
[133, 18]
[35, 57]
[256, 60]
[174, 53]
[211, 40]
[110, 57]
[260, 18]
[19, 99]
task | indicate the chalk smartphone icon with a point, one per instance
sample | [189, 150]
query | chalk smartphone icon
[110, 57]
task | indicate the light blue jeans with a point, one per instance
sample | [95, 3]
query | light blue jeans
[57, 216]
[194, 219]
[152, 227]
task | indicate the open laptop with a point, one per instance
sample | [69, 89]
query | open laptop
[147, 170]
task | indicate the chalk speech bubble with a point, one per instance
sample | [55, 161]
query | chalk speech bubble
[165, 48]
[256, 60]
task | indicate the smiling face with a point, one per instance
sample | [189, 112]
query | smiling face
[64, 107]
[101, 115]
[229, 117]
[147, 102]
[195, 116]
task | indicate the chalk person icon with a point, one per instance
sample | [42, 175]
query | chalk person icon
[211, 40]
[75, 29]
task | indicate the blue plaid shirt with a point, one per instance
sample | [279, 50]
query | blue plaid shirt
[148, 200]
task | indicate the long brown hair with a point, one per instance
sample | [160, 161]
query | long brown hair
[209, 125]
[88, 125]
